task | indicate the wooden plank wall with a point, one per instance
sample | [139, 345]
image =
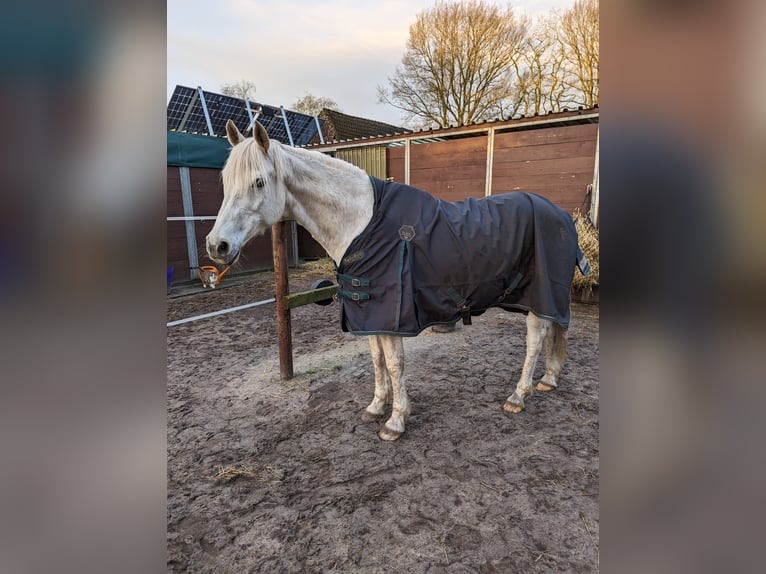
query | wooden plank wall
[177, 256]
[395, 163]
[452, 169]
[308, 248]
[555, 162]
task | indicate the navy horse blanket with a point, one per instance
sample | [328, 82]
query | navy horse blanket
[422, 261]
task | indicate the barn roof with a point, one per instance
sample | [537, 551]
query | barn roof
[339, 126]
[424, 135]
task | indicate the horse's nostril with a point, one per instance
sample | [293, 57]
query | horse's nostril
[223, 247]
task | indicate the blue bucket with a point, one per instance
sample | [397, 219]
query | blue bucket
[170, 277]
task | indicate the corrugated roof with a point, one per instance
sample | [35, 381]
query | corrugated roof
[564, 117]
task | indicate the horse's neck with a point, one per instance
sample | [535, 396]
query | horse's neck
[330, 198]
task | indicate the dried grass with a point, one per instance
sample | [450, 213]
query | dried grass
[587, 237]
[263, 474]
[325, 264]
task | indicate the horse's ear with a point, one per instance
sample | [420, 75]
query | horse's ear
[233, 133]
[260, 135]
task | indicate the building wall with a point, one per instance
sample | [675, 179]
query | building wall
[555, 162]
[371, 159]
[451, 169]
[177, 255]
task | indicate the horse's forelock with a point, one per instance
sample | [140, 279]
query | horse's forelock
[245, 163]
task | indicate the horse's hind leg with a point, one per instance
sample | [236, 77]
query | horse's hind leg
[376, 410]
[556, 354]
[393, 350]
[537, 330]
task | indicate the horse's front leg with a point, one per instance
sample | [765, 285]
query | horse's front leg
[537, 330]
[393, 351]
[376, 410]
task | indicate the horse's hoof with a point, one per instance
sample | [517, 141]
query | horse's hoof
[510, 408]
[371, 418]
[541, 386]
[386, 433]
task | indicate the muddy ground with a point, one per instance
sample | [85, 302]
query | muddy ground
[270, 476]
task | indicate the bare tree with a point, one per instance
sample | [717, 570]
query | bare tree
[312, 105]
[578, 35]
[532, 71]
[457, 64]
[540, 71]
[557, 66]
[242, 89]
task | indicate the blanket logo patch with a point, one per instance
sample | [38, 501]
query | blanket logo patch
[406, 232]
[353, 257]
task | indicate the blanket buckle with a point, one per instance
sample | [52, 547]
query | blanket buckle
[465, 313]
[462, 305]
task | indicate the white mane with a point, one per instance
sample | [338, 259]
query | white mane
[247, 159]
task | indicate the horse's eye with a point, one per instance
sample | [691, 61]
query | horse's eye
[259, 183]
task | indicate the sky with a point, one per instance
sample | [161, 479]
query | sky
[341, 49]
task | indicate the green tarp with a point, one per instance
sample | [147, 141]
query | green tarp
[194, 150]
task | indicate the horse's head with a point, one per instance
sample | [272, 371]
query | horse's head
[253, 195]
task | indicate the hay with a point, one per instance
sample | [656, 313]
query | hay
[325, 265]
[264, 474]
[587, 237]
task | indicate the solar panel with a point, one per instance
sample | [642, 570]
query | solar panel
[186, 114]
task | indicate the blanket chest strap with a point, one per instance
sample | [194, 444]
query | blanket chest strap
[354, 281]
[354, 295]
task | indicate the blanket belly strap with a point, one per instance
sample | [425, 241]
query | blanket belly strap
[465, 310]
[511, 288]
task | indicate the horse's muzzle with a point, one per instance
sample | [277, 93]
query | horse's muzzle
[221, 252]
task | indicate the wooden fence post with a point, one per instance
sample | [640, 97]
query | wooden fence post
[279, 242]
